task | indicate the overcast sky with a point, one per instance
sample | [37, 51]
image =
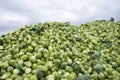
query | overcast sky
[16, 13]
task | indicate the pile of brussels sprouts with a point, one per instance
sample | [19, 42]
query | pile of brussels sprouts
[61, 51]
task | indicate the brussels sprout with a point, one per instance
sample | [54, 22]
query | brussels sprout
[40, 74]
[24, 57]
[21, 72]
[69, 61]
[33, 44]
[101, 76]
[84, 77]
[73, 76]
[30, 49]
[19, 66]
[63, 79]
[75, 66]
[98, 68]
[50, 77]
[39, 55]
[6, 75]
[96, 55]
[87, 77]
[61, 51]
[16, 71]
[32, 59]
[8, 79]
[33, 77]
[21, 53]
[118, 61]
[57, 62]
[1, 47]
[94, 76]
[109, 71]
[27, 70]
[63, 64]
[44, 68]
[34, 66]
[118, 69]
[26, 78]
[19, 78]
[78, 38]
[114, 65]
[2, 71]
[28, 64]
[69, 69]
[10, 69]
[4, 65]
[54, 68]
[57, 76]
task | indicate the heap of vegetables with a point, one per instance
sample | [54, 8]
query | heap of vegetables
[61, 51]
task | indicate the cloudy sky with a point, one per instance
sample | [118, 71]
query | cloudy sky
[16, 13]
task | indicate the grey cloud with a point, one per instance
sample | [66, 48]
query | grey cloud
[75, 11]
